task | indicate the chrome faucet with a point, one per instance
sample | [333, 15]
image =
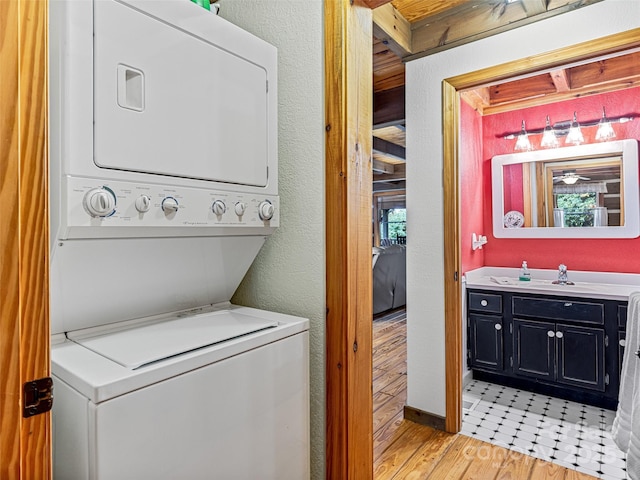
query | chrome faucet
[563, 277]
[562, 274]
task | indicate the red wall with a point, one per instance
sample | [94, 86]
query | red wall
[607, 255]
[472, 196]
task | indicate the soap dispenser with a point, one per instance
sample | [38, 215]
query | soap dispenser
[525, 274]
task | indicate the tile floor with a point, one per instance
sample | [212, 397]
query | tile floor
[567, 433]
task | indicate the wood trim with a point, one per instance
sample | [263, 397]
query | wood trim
[390, 27]
[452, 288]
[451, 106]
[552, 60]
[25, 444]
[389, 107]
[348, 178]
[446, 31]
[389, 149]
[421, 417]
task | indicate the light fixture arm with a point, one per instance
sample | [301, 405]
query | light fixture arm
[562, 128]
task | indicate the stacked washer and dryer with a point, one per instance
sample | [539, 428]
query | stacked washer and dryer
[164, 187]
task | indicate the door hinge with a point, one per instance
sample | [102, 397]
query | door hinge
[606, 340]
[37, 397]
[606, 379]
[455, 276]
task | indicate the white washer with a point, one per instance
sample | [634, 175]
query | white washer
[154, 401]
[163, 190]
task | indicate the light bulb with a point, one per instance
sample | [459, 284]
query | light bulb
[549, 139]
[605, 129]
[575, 134]
[522, 143]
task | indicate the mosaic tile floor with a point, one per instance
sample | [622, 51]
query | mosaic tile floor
[567, 433]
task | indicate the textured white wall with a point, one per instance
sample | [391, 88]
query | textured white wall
[288, 275]
[425, 293]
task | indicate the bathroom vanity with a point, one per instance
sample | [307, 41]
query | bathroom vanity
[560, 340]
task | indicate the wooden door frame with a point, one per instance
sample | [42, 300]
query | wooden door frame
[25, 444]
[348, 190]
[452, 87]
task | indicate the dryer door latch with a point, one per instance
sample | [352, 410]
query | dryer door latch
[37, 397]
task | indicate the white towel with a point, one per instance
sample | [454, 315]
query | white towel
[626, 425]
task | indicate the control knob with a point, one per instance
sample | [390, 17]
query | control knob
[240, 208]
[219, 207]
[143, 203]
[265, 210]
[169, 205]
[100, 202]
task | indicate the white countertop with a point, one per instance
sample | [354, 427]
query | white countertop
[605, 285]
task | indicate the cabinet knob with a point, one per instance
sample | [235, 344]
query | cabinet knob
[484, 303]
[551, 333]
[623, 342]
[559, 334]
[498, 326]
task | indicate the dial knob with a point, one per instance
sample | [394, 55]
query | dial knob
[265, 210]
[143, 203]
[169, 205]
[218, 207]
[100, 202]
[240, 208]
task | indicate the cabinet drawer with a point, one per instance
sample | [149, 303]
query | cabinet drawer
[485, 302]
[622, 316]
[554, 309]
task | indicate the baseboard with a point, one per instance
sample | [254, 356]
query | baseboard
[467, 376]
[424, 418]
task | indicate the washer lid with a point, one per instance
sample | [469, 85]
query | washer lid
[145, 344]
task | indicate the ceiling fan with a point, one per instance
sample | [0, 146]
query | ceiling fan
[569, 177]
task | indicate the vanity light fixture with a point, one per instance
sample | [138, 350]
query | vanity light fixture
[605, 129]
[569, 128]
[575, 133]
[523, 144]
[549, 138]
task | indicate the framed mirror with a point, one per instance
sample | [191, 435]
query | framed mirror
[586, 191]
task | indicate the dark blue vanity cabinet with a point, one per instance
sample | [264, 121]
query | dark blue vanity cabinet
[562, 346]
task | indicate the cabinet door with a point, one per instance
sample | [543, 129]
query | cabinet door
[533, 349]
[580, 356]
[485, 341]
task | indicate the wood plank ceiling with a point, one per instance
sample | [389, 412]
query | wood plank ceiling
[408, 29]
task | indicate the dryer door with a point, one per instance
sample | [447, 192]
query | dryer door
[172, 103]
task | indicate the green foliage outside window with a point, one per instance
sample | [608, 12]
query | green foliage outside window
[396, 223]
[578, 208]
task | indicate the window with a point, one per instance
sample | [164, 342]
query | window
[393, 225]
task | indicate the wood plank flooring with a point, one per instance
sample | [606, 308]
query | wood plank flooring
[406, 450]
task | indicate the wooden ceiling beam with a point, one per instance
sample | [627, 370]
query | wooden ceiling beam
[612, 69]
[392, 29]
[561, 80]
[389, 149]
[532, 87]
[534, 7]
[388, 107]
[375, 3]
[559, 97]
[389, 186]
[479, 19]
[381, 167]
[399, 173]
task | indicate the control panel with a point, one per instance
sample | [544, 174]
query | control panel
[134, 209]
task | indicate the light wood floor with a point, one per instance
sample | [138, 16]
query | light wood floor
[406, 450]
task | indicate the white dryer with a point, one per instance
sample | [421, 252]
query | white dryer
[163, 190]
